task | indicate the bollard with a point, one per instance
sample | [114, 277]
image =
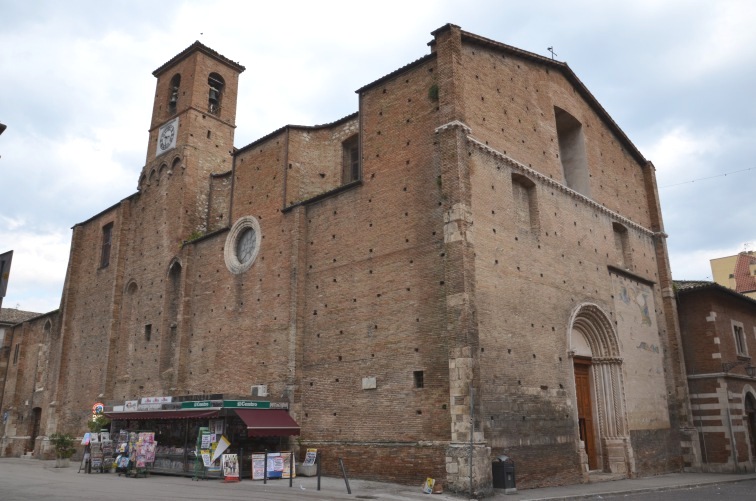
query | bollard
[346, 479]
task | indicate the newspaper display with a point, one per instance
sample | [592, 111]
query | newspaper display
[145, 449]
[258, 466]
[230, 464]
[310, 457]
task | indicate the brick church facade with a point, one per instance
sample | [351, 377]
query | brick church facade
[473, 264]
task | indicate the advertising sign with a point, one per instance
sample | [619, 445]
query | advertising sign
[156, 400]
[258, 466]
[230, 464]
[5, 264]
[223, 444]
[310, 457]
[245, 404]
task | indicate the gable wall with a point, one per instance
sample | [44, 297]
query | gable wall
[509, 104]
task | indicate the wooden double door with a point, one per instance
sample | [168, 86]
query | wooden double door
[585, 409]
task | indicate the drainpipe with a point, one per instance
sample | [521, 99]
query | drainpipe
[472, 432]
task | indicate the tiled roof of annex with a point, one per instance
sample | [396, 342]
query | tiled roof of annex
[745, 281]
[688, 286]
[12, 316]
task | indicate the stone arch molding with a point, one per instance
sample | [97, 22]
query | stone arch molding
[176, 261]
[593, 323]
[230, 251]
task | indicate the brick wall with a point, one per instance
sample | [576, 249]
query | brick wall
[457, 260]
[30, 384]
[707, 314]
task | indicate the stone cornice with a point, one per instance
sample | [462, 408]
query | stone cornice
[454, 124]
[523, 169]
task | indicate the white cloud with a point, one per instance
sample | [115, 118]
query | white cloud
[38, 268]
[680, 154]
[694, 264]
[78, 93]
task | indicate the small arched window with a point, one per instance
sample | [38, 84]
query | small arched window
[173, 94]
[215, 93]
[160, 172]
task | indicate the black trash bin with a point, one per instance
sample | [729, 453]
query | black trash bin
[503, 469]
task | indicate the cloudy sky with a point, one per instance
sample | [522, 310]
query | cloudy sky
[76, 90]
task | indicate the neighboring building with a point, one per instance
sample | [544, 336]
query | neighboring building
[736, 272]
[480, 244]
[10, 349]
[718, 329]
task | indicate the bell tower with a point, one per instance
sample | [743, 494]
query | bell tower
[191, 133]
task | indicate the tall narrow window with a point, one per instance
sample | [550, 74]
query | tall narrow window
[572, 151]
[351, 160]
[16, 352]
[215, 93]
[148, 332]
[740, 341]
[171, 316]
[107, 236]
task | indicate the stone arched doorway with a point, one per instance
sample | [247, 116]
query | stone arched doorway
[750, 422]
[599, 394]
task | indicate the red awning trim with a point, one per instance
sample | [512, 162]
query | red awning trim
[204, 413]
[268, 422]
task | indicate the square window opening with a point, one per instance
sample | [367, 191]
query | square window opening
[418, 376]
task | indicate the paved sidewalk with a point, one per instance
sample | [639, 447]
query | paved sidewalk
[626, 486]
[29, 479]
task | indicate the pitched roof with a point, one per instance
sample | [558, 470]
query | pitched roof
[682, 285]
[299, 127]
[744, 280]
[691, 286]
[13, 316]
[570, 76]
[200, 47]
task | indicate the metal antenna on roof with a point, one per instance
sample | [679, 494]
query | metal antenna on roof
[551, 49]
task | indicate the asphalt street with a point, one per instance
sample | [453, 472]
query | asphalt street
[33, 480]
[29, 479]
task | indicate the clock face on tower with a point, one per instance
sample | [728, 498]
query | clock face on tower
[167, 137]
